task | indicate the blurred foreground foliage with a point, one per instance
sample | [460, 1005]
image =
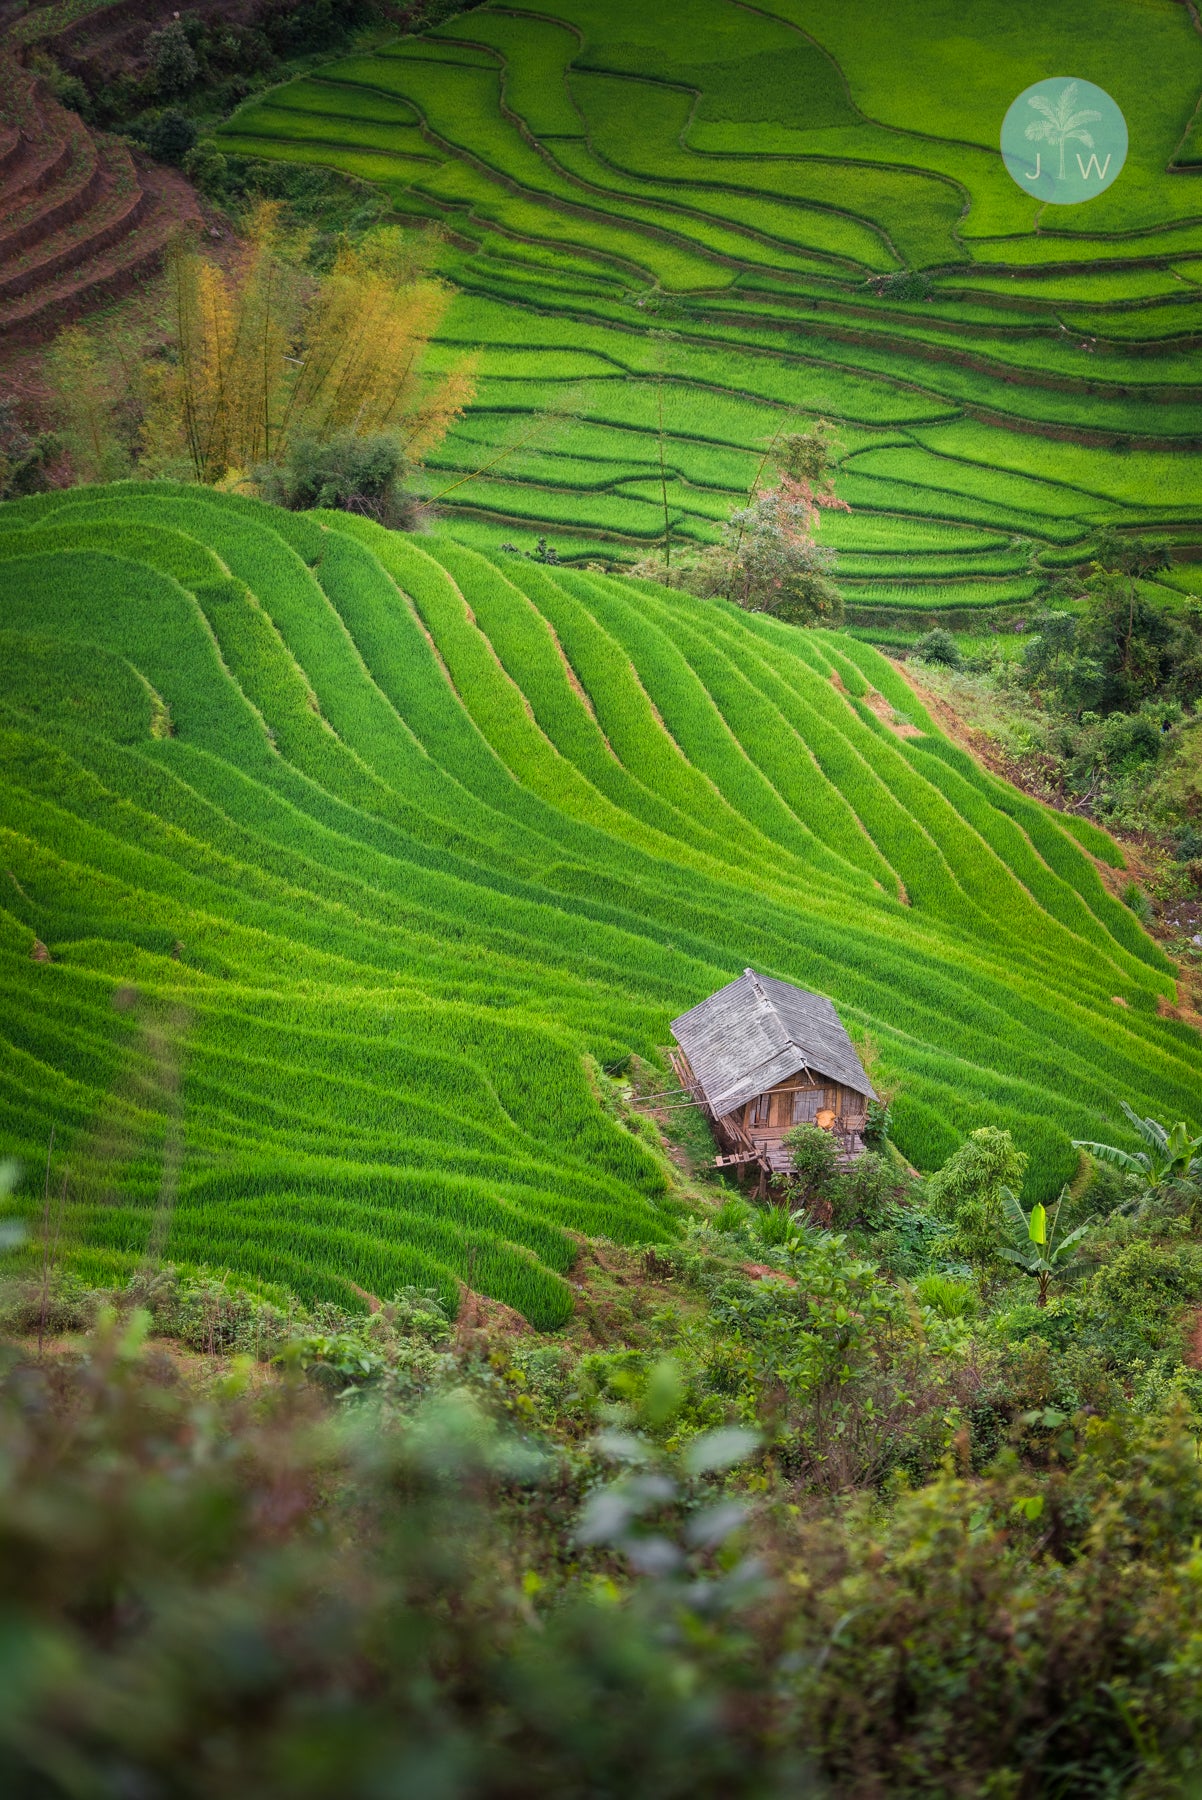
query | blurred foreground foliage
[786, 1510]
[806, 1529]
[247, 1589]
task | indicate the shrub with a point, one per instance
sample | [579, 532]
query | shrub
[67, 89]
[1151, 1279]
[23, 456]
[902, 284]
[213, 1319]
[910, 1241]
[862, 1195]
[203, 1590]
[61, 1304]
[939, 646]
[878, 1124]
[207, 169]
[346, 473]
[171, 136]
[967, 1193]
[814, 1155]
[420, 1313]
[1188, 843]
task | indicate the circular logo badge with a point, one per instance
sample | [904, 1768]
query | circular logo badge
[1064, 140]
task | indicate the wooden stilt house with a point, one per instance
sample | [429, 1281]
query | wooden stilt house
[762, 1056]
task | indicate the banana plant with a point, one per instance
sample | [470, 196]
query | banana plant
[1038, 1249]
[1171, 1154]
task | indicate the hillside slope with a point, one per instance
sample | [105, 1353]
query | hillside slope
[669, 222]
[391, 835]
[82, 219]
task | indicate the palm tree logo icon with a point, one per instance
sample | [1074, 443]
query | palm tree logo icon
[1064, 140]
[1060, 124]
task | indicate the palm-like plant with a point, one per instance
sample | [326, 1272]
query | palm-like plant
[1038, 1248]
[1060, 124]
[1171, 1154]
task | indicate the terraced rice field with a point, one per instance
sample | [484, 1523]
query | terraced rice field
[81, 220]
[682, 206]
[393, 835]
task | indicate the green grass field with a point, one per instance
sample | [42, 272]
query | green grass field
[686, 204]
[391, 836]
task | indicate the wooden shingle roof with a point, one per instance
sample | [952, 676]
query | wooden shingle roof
[756, 1032]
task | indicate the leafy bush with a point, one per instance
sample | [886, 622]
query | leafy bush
[347, 474]
[67, 88]
[24, 456]
[911, 1240]
[733, 1215]
[171, 136]
[815, 1157]
[1150, 1279]
[201, 1592]
[902, 284]
[60, 1302]
[214, 1319]
[939, 646]
[862, 1195]
[878, 1124]
[207, 167]
[421, 1313]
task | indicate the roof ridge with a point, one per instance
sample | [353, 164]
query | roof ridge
[758, 987]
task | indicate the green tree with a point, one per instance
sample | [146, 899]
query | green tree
[1103, 644]
[772, 564]
[1039, 1248]
[968, 1193]
[1052, 647]
[85, 392]
[173, 62]
[768, 560]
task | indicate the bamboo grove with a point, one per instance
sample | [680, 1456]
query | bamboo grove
[266, 353]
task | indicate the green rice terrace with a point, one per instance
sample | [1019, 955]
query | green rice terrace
[674, 226]
[396, 835]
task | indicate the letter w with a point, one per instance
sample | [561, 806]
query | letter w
[1093, 163]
